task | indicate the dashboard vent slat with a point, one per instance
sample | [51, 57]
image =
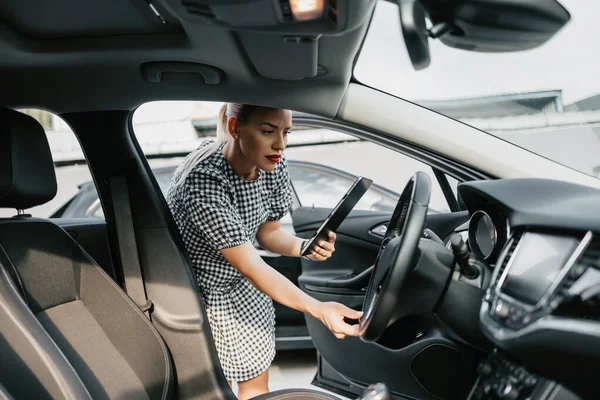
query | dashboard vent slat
[589, 259]
[515, 241]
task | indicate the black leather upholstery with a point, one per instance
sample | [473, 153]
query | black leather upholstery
[26, 179]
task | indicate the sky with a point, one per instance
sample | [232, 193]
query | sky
[569, 61]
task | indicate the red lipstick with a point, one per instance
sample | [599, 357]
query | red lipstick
[274, 158]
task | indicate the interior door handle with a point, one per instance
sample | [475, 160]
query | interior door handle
[379, 230]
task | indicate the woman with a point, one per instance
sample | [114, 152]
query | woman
[223, 196]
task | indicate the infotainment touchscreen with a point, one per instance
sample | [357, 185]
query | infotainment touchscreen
[536, 265]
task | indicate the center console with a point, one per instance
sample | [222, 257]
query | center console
[500, 378]
[533, 278]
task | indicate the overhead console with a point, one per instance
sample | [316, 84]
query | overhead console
[282, 16]
[281, 37]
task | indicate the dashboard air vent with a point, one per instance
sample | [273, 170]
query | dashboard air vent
[513, 245]
[591, 256]
[589, 259]
[580, 289]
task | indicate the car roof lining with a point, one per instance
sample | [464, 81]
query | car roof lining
[95, 63]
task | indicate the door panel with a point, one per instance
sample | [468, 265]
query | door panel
[359, 223]
[413, 357]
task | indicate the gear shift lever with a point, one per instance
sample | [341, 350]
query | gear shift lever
[376, 391]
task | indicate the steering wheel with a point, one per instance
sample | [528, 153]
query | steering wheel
[396, 257]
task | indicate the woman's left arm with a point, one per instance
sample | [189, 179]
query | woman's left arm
[277, 240]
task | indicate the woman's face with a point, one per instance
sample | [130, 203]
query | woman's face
[263, 137]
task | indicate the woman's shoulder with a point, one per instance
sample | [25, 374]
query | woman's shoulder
[209, 169]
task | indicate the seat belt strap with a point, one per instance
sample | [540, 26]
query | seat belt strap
[130, 262]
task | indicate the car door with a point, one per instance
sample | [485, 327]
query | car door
[307, 179]
[414, 357]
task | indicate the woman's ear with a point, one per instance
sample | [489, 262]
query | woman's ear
[232, 127]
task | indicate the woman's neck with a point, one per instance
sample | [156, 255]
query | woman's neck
[238, 162]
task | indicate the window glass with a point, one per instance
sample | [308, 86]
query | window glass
[389, 170]
[545, 99]
[72, 173]
[320, 188]
[323, 163]
[97, 212]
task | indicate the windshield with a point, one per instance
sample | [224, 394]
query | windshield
[546, 100]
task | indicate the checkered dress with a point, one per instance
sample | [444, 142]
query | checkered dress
[215, 209]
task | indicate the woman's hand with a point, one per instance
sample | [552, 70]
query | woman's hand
[332, 315]
[323, 249]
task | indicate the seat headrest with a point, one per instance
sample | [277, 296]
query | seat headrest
[27, 177]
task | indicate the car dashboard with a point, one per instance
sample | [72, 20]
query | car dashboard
[541, 308]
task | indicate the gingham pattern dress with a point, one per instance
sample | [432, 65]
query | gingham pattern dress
[216, 209]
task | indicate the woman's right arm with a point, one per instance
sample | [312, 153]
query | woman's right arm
[248, 262]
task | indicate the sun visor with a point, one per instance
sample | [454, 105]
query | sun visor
[282, 57]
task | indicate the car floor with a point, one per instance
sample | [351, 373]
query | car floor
[292, 369]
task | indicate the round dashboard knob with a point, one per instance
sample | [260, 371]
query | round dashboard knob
[510, 392]
[502, 310]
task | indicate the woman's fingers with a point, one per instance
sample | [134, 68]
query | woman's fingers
[323, 249]
[326, 246]
[316, 256]
[334, 320]
[332, 237]
[350, 313]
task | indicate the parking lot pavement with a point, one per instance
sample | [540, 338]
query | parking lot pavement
[293, 369]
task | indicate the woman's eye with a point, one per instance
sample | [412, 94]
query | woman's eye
[287, 133]
[267, 132]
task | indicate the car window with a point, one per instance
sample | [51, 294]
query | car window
[387, 168]
[323, 162]
[318, 188]
[453, 182]
[164, 179]
[70, 167]
[545, 99]
[97, 212]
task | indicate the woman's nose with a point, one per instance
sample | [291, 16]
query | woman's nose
[280, 141]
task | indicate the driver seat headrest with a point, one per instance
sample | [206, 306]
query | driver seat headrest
[27, 176]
